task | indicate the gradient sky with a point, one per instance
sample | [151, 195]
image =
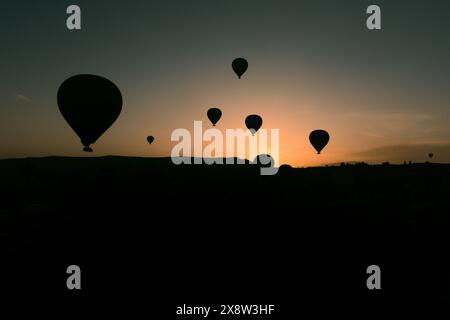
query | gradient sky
[382, 95]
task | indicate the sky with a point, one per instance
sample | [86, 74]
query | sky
[382, 95]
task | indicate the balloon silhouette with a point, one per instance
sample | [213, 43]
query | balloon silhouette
[90, 104]
[431, 155]
[150, 139]
[264, 160]
[253, 123]
[239, 65]
[214, 115]
[319, 139]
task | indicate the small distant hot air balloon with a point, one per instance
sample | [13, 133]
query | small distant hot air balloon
[431, 155]
[214, 115]
[150, 139]
[253, 123]
[264, 160]
[90, 104]
[239, 65]
[319, 139]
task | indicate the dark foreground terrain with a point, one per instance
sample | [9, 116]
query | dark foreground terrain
[149, 235]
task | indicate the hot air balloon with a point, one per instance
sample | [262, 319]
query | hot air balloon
[430, 155]
[264, 160]
[150, 139]
[214, 115]
[319, 139]
[253, 123]
[90, 104]
[239, 65]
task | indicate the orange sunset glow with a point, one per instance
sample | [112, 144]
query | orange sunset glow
[359, 88]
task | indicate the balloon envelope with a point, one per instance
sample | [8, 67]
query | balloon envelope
[264, 160]
[253, 123]
[430, 155]
[214, 115]
[90, 104]
[150, 139]
[319, 139]
[239, 65]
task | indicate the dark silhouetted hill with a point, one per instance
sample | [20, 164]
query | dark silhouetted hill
[208, 232]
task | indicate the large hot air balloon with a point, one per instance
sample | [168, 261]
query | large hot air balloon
[253, 123]
[319, 139]
[150, 139]
[214, 115]
[239, 65]
[90, 104]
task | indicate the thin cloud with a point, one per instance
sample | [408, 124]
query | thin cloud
[21, 97]
[400, 153]
[399, 127]
[392, 120]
